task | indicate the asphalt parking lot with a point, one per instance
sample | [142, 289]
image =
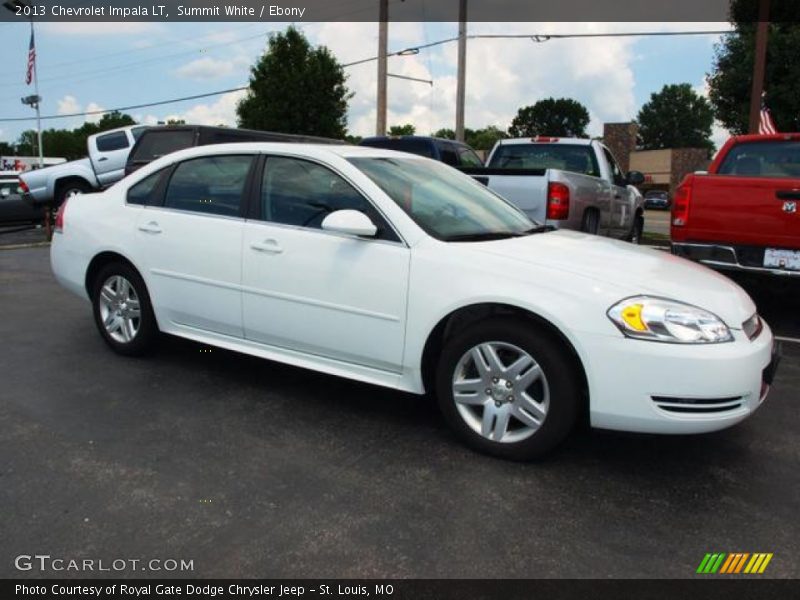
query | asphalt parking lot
[254, 469]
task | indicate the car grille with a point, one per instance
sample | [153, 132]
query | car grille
[698, 405]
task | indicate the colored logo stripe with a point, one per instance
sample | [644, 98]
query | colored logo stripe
[720, 562]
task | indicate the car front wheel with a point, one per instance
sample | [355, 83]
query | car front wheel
[509, 388]
[122, 310]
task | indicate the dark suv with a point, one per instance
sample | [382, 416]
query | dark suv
[450, 152]
[155, 142]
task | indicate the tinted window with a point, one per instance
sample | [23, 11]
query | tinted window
[566, 157]
[112, 141]
[212, 184]
[414, 146]
[447, 154]
[302, 193]
[468, 158]
[137, 132]
[144, 191]
[763, 159]
[157, 143]
[443, 202]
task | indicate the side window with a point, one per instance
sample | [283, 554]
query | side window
[212, 184]
[468, 158]
[137, 132]
[112, 141]
[448, 154]
[144, 192]
[616, 172]
[302, 193]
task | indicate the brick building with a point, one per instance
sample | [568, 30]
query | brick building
[663, 169]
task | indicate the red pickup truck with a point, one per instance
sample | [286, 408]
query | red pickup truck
[743, 214]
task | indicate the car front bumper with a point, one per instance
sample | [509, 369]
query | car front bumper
[652, 387]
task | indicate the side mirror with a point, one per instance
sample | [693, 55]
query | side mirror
[351, 222]
[634, 178]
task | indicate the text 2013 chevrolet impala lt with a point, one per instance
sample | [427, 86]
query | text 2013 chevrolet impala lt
[400, 271]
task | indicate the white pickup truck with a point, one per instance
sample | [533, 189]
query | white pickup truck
[105, 165]
[566, 183]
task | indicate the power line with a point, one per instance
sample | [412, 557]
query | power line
[405, 52]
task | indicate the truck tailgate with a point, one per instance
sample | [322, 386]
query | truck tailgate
[524, 188]
[754, 211]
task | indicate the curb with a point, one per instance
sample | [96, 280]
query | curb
[23, 246]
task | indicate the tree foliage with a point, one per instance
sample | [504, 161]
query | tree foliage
[295, 88]
[675, 117]
[407, 129]
[731, 80]
[479, 139]
[562, 117]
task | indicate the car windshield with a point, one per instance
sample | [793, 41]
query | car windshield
[446, 204]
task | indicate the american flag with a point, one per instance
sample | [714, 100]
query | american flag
[31, 60]
[766, 125]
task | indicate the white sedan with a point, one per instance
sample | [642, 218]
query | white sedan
[399, 271]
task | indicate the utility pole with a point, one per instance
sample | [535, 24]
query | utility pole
[383, 42]
[462, 68]
[759, 64]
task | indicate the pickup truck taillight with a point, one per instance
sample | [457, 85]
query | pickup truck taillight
[59, 225]
[24, 187]
[680, 203]
[557, 201]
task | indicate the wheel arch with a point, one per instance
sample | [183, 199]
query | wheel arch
[60, 183]
[473, 313]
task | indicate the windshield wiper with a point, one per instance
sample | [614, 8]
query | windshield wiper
[538, 229]
[482, 236]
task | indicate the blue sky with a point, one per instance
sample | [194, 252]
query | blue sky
[88, 66]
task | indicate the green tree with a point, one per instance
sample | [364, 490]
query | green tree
[484, 139]
[295, 88]
[7, 149]
[675, 117]
[353, 139]
[447, 134]
[731, 78]
[407, 129]
[561, 117]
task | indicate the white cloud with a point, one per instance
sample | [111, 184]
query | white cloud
[92, 107]
[68, 105]
[208, 68]
[221, 112]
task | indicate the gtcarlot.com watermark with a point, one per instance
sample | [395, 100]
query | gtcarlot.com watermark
[45, 562]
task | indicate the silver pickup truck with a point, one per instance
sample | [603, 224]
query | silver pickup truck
[104, 165]
[567, 183]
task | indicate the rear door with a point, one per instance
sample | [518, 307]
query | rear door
[754, 199]
[192, 241]
[109, 154]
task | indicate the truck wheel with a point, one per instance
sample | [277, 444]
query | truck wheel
[591, 222]
[71, 188]
[508, 388]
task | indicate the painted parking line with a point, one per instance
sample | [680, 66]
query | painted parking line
[787, 339]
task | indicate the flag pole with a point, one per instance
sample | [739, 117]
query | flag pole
[38, 101]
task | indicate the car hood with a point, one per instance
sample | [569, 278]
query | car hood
[632, 269]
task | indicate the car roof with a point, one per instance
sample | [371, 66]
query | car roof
[424, 138]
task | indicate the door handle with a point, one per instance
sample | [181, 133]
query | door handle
[151, 227]
[102, 158]
[269, 246]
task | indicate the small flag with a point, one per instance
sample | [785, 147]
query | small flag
[766, 125]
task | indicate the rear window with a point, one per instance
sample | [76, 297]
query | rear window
[418, 147]
[155, 144]
[566, 157]
[763, 159]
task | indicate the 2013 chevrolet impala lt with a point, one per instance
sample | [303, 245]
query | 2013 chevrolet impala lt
[399, 271]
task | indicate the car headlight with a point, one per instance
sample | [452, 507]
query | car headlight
[660, 320]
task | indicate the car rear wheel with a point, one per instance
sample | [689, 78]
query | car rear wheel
[591, 222]
[509, 388]
[122, 310]
[71, 188]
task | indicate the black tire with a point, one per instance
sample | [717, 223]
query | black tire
[562, 374]
[70, 187]
[635, 236]
[591, 222]
[147, 331]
